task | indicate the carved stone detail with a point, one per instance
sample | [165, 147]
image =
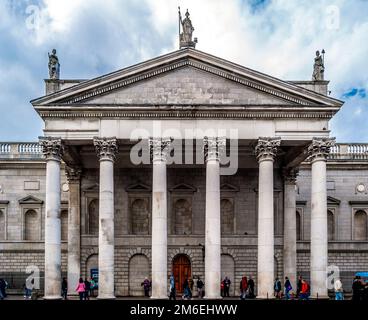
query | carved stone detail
[214, 147]
[267, 147]
[320, 148]
[52, 148]
[106, 148]
[73, 174]
[159, 148]
[290, 175]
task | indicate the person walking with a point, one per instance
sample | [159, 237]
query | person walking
[64, 289]
[251, 286]
[2, 289]
[92, 287]
[146, 286]
[244, 292]
[27, 291]
[172, 288]
[277, 288]
[81, 289]
[200, 285]
[339, 292]
[288, 288]
[304, 291]
[187, 294]
[227, 283]
[299, 286]
[357, 289]
[87, 286]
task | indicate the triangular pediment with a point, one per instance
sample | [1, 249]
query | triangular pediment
[333, 201]
[226, 187]
[30, 200]
[183, 187]
[138, 187]
[185, 77]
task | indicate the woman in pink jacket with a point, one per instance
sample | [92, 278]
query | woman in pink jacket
[81, 288]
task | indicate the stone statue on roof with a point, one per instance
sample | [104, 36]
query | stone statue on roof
[185, 37]
[54, 65]
[318, 67]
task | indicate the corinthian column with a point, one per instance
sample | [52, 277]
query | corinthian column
[318, 152]
[74, 242]
[266, 151]
[159, 149]
[290, 225]
[213, 149]
[52, 150]
[106, 149]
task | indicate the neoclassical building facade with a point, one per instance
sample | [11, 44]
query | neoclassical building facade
[186, 164]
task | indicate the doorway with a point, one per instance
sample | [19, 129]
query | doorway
[181, 269]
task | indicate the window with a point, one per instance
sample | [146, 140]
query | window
[360, 225]
[2, 225]
[64, 225]
[31, 226]
[140, 216]
[183, 217]
[227, 217]
[330, 225]
[298, 226]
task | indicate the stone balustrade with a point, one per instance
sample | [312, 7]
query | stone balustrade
[351, 151]
[20, 150]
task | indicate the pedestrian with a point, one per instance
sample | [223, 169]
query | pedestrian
[277, 288]
[288, 288]
[87, 287]
[187, 294]
[64, 289]
[304, 291]
[81, 288]
[146, 286]
[244, 292]
[92, 287]
[299, 286]
[222, 286]
[200, 285]
[227, 283]
[172, 288]
[27, 291]
[339, 292]
[251, 286]
[2, 289]
[357, 288]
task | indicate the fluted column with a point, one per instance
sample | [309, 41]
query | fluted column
[106, 149]
[52, 150]
[290, 225]
[266, 151]
[159, 149]
[214, 146]
[318, 152]
[74, 242]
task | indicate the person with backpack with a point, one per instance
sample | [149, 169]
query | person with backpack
[64, 289]
[146, 286]
[288, 288]
[244, 293]
[277, 288]
[200, 288]
[81, 289]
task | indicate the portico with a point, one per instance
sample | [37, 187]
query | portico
[149, 107]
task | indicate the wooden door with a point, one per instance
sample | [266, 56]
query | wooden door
[181, 270]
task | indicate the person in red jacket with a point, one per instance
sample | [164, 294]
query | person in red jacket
[304, 292]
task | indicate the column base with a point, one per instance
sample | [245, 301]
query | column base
[320, 297]
[106, 297]
[265, 297]
[159, 298]
[213, 298]
[56, 297]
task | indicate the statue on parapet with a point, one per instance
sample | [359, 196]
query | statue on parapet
[54, 65]
[319, 66]
[185, 37]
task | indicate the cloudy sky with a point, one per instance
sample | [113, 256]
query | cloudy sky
[93, 37]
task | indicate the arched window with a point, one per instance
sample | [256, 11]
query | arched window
[139, 269]
[183, 217]
[227, 217]
[331, 225]
[298, 226]
[64, 225]
[2, 225]
[93, 221]
[139, 217]
[360, 225]
[31, 226]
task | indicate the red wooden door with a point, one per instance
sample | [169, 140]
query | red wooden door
[181, 270]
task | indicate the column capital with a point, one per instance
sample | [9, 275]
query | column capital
[266, 148]
[159, 148]
[106, 148]
[214, 147]
[320, 148]
[52, 148]
[73, 174]
[290, 175]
